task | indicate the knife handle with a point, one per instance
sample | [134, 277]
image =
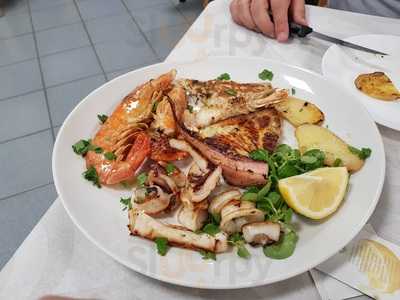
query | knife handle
[299, 30]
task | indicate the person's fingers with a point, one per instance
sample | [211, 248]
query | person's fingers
[298, 12]
[233, 7]
[259, 12]
[245, 14]
[280, 10]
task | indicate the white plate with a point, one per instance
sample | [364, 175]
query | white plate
[97, 212]
[343, 65]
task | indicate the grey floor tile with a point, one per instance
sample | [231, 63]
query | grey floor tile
[122, 54]
[12, 25]
[25, 163]
[158, 16]
[55, 16]
[190, 9]
[17, 49]
[20, 213]
[23, 115]
[19, 78]
[70, 65]
[5, 256]
[55, 130]
[105, 29]
[115, 74]
[91, 9]
[44, 4]
[163, 40]
[135, 4]
[63, 98]
[61, 39]
[14, 7]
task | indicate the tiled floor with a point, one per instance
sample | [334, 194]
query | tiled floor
[52, 54]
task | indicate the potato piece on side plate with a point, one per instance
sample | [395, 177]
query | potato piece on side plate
[317, 137]
[377, 85]
[299, 112]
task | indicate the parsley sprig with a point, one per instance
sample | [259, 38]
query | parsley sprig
[363, 154]
[266, 75]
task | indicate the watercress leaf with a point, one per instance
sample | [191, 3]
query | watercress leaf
[287, 169]
[224, 76]
[211, 229]
[259, 154]
[287, 217]
[283, 148]
[266, 75]
[247, 196]
[207, 254]
[162, 245]
[235, 238]
[283, 248]
[264, 191]
[252, 189]
[215, 218]
[242, 251]
[305, 159]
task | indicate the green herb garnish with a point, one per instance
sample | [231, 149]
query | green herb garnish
[110, 156]
[224, 76]
[266, 75]
[190, 108]
[141, 179]
[91, 175]
[363, 154]
[237, 240]
[207, 254]
[81, 147]
[162, 245]
[231, 92]
[338, 162]
[170, 169]
[293, 91]
[126, 203]
[154, 107]
[102, 118]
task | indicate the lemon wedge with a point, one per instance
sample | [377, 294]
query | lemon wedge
[316, 194]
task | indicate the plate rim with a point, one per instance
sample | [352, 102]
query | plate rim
[177, 282]
[377, 119]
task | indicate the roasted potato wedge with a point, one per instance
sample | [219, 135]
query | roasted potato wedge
[299, 112]
[316, 137]
[377, 85]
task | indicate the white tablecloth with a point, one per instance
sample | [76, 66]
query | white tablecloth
[57, 259]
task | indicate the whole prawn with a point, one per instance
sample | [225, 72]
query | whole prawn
[124, 133]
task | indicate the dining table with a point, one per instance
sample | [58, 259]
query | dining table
[57, 259]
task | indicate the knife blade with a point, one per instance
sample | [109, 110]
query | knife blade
[303, 31]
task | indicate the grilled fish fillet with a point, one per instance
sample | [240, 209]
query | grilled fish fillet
[244, 133]
[215, 100]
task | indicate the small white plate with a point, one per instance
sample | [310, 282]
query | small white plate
[97, 212]
[343, 65]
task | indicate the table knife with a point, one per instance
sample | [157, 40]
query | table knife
[303, 31]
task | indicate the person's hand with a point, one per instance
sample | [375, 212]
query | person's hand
[253, 14]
